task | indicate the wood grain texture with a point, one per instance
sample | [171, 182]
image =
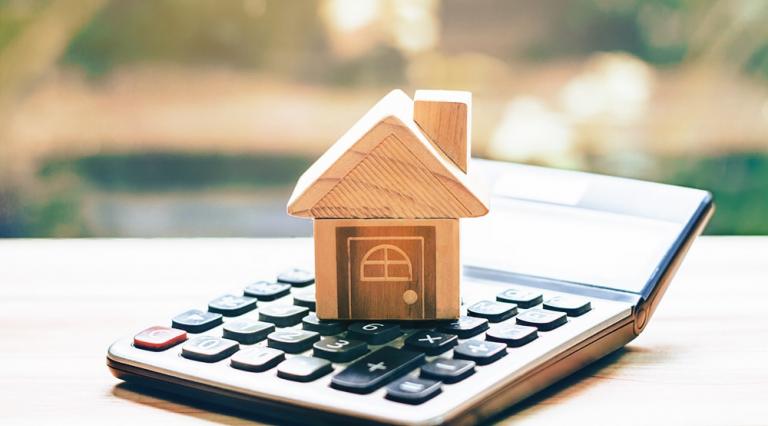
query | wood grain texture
[377, 170]
[701, 361]
[445, 116]
[429, 246]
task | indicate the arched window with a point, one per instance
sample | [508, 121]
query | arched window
[386, 262]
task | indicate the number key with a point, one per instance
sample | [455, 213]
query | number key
[282, 315]
[375, 333]
[292, 341]
[572, 306]
[324, 327]
[542, 319]
[266, 291]
[232, 306]
[304, 368]
[336, 349]
[296, 277]
[465, 327]
[247, 331]
[522, 298]
[208, 348]
[257, 359]
[492, 311]
[196, 321]
[305, 299]
[513, 335]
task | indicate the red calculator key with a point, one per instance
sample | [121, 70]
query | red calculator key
[159, 338]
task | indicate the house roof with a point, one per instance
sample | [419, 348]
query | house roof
[385, 167]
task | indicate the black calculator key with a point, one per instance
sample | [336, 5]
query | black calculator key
[208, 348]
[375, 333]
[266, 291]
[479, 351]
[413, 390]
[324, 327]
[296, 277]
[465, 327]
[448, 370]
[431, 342]
[305, 299]
[514, 335]
[492, 311]
[196, 321]
[257, 359]
[336, 349]
[247, 331]
[572, 306]
[232, 306]
[376, 369]
[304, 368]
[522, 298]
[283, 315]
[292, 341]
[542, 319]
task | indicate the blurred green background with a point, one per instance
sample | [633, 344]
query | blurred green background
[195, 117]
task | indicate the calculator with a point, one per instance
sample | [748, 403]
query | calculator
[566, 268]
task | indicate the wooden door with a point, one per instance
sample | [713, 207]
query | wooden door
[387, 277]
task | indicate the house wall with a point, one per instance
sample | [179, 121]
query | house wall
[442, 256]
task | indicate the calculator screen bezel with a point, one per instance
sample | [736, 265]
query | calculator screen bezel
[685, 207]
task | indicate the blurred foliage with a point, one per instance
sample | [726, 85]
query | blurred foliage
[284, 37]
[179, 171]
[739, 184]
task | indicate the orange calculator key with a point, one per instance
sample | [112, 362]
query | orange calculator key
[159, 338]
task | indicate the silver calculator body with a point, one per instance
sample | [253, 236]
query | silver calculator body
[614, 243]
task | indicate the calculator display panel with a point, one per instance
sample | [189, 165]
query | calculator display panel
[587, 229]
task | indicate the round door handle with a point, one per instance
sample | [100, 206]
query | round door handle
[410, 297]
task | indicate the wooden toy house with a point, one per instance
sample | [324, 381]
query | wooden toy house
[385, 200]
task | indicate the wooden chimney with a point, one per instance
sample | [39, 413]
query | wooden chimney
[445, 117]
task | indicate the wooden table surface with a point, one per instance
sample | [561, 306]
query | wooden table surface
[703, 360]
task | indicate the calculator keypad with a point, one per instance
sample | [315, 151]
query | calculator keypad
[284, 337]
